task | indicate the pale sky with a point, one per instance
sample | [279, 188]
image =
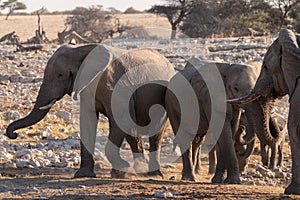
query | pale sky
[59, 5]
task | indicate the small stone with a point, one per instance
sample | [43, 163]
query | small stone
[265, 172]
[163, 194]
[10, 164]
[174, 192]
[12, 115]
[65, 115]
[165, 188]
[61, 164]
[14, 78]
[22, 163]
[279, 174]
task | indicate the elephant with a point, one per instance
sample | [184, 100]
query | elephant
[245, 147]
[93, 71]
[279, 77]
[238, 79]
[244, 150]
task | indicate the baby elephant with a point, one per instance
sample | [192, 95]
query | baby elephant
[244, 143]
[236, 80]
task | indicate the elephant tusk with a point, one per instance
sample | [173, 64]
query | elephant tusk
[48, 106]
[244, 100]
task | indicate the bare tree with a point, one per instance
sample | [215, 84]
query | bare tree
[12, 5]
[91, 25]
[175, 11]
[284, 6]
[40, 34]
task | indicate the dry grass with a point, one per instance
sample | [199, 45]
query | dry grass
[25, 26]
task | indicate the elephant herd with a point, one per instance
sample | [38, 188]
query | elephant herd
[229, 104]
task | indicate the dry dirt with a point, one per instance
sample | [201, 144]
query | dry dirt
[59, 184]
[56, 183]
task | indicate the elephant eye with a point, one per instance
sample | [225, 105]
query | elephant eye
[60, 75]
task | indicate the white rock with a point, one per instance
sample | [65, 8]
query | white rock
[23, 153]
[265, 172]
[35, 163]
[65, 115]
[10, 164]
[6, 156]
[46, 132]
[21, 163]
[72, 144]
[60, 164]
[164, 194]
[279, 174]
[12, 115]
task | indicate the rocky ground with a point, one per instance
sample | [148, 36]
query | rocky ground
[41, 162]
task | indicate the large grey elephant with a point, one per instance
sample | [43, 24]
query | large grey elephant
[238, 80]
[93, 71]
[279, 76]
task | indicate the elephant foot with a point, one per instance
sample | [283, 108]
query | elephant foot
[265, 161]
[188, 177]
[232, 180]
[121, 174]
[272, 166]
[293, 188]
[218, 178]
[155, 173]
[84, 172]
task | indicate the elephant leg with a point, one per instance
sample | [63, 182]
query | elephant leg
[280, 154]
[87, 163]
[188, 167]
[112, 152]
[264, 154]
[196, 153]
[212, 161]
[136, 145]
[220, 167]
[154, 154]
[294, 136]
[274, 151]
[88, 129]
[198, 162]
[226, 158]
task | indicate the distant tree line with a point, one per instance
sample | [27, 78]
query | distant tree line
[207, 18]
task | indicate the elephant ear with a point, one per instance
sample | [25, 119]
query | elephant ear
[288, 41]
[93, 67]
[290, 58]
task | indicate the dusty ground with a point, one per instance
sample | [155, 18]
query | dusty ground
[59, 184]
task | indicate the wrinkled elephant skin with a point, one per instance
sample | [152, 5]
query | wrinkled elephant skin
[77, 69]
[278, 77]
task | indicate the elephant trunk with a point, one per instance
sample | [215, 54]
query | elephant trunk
[266, 130]
[34, 117]
[39, 111]
[246, 132]
[243, 136]
[248, 151]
